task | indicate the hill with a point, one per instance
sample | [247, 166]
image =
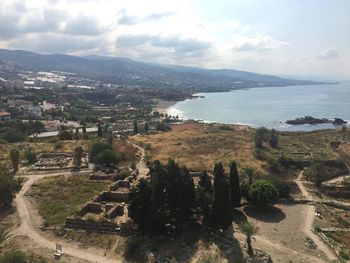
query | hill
[125, 71]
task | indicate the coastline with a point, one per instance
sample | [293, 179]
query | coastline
[164, 105]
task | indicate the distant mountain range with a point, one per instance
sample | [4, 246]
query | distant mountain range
[125, 71]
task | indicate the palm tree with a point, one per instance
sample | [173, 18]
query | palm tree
[4, 235]
[250, 230]
[250, 172]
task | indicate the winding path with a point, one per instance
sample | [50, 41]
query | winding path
[28, 228]
[310, 219]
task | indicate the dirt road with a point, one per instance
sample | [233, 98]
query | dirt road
[310, 218]
[141, 165]
[28, 228]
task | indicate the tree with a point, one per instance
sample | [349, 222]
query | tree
[180, 193]
[76, 134]
[222, 203]
[146, 127]
[273, 139]
[139, 203]
[96, 148]
[250, 230]
[235, 186]
[260, 137]
[78, 154]
[9, 186]
[136, 128]
[317, 173]
[205, 182]
[4, 235]
[110, 138]
[14, 156]
[30, 155]
[84, 128]
[99, 130]
[65, 135]
[263, 193]
[14, 256]
[251, 173]
[107, 157]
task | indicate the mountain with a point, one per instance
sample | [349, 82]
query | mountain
[126, 71]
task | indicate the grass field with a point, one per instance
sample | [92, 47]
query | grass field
[200, 146]
[62, 196]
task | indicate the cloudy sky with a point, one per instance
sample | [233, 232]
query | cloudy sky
[293, 37]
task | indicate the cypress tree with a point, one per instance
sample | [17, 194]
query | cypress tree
[235, 187]
[222, 203]
[99, 130]
[205, 182]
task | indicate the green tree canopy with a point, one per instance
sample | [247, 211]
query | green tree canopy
[96, 148]
[9, 186]
[107, 157]
[14, 156]
[235, 186]
[222, 203]
[263, 193]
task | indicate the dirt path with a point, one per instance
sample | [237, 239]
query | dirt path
[309, 220]
[28, 228]
[141, 165]
[338, 179]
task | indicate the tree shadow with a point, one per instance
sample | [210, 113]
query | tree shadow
[238, 216]
[268, 214]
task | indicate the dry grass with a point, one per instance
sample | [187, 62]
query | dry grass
[200, 147]
[62, 196]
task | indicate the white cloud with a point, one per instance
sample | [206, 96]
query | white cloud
[329, 53]
[257, 43]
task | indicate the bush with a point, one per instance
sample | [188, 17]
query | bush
[13, 257]
[30, 155]
[262, 193]
[344, 255]
[58, 145]
[122, 175]
[13, 135]
[97, 148]
[282, 187]
[65, 135]
[107, 157]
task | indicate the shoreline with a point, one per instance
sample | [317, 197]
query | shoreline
[164, 105]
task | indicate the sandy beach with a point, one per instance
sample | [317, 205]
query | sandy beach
[164, 105]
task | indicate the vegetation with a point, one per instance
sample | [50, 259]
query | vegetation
[262, 193]
[222, 202]
[250, 230]
[15, 256]
[235, 185]
[65, 135]
[9, 186]
[166, 198]
[78, 154]
[316, 173]
[61, 197]
[30, 155]
[4, 235]
[14, 156]
[96, 148]
[107, 157]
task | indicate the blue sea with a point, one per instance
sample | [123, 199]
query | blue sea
[270, 107]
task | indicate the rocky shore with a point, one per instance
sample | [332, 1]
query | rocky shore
[314, 121]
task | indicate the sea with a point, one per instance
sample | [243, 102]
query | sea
[269, 107]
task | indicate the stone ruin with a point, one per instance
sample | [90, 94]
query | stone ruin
[107, 212]
[51, 161]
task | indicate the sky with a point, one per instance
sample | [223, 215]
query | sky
[280, 37]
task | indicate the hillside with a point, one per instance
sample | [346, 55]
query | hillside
[129, 72]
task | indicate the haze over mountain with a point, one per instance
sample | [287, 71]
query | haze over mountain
[125, 71]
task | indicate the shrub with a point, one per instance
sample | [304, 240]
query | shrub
[344, 255]
[13, 257]
[97, 148]
[58, 145]
[13, 135]
[262, 193]
[30, 155]
[106, 157]
[282, 187]
[65, 135]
